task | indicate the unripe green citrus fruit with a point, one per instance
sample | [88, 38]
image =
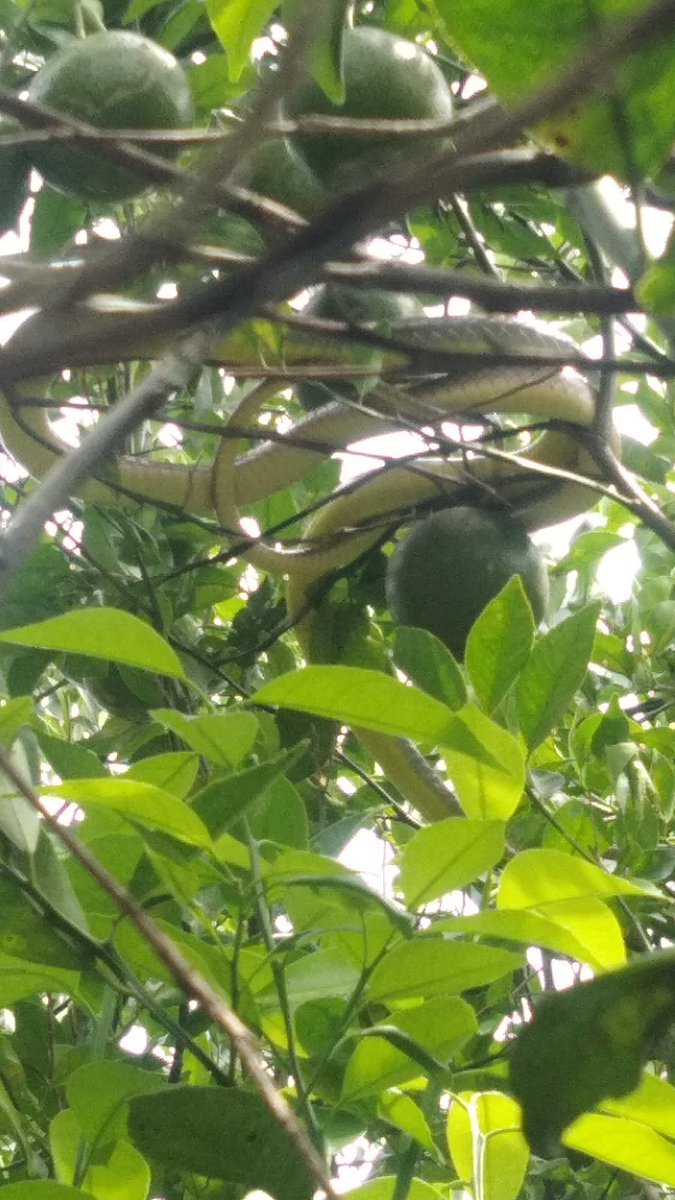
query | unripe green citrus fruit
[384, 76]
[14, 178]
[115, 80]
[453, 563]
[277, 170]
[384, 310]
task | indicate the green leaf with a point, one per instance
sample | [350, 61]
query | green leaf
[485, 763]
[236, 24]
[98, 1094]
[652, 1103]
[325, 61]
[486, 1145]
[587, 549]
[429, 665]
[384, 1188]
[121, 1175]
[603, 1031]
[447, 855]
[14, 714]
[538, 877]
[357, 696]
[554, 671]
[51, 877]
[380, 1060]
[70, 760]
[280, 816]
[102, 633]
[585, 930]
[432, 967]
[226, 799]
[499, 643]
[43, 1189]
[222, 738]
[624, 1144]
[222, 1133]
[19, 979]
[407, 1116]
[656, 288]
[315, 874]
[228, 849]
[316, 975]
[118, 852]
[174, 771]
[141, 802]
[212, 961]
[26, 936]
[625, 131]
[19, 821]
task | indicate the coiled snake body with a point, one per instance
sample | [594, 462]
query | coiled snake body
[542, 485]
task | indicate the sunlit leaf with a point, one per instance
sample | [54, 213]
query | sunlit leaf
[236, 23]
[624, 1144]
[535, 878]
[43, 1189]
[102, 633]
[430, 1031]
[434, 967]
[149, 806]
[223, 738]
[586, 930]
[357, 696]
[401, 1111]
[499, 643]
[486, 765]
[652, 1103]
[486, 1144]
[384, 1188]
[448, 855]
[553, 672]
[627, 130]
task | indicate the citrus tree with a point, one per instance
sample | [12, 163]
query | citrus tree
[336, 843]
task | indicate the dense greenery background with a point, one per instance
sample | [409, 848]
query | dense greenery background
[385, 1006]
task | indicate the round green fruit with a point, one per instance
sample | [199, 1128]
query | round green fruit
[384, 76]
[384, 310]
[277, 170]
[116, 80]
[452, 563]
[14, 179]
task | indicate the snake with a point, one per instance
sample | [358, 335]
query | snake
[546, 483]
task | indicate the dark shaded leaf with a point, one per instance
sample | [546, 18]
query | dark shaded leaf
[221, 1133]
[602, 1031]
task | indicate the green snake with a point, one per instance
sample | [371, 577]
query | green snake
[542, 486]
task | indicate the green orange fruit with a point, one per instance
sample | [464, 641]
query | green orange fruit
[14, 179]
[277, 170]
[113, 80]
[385, 76]
[452, 563]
